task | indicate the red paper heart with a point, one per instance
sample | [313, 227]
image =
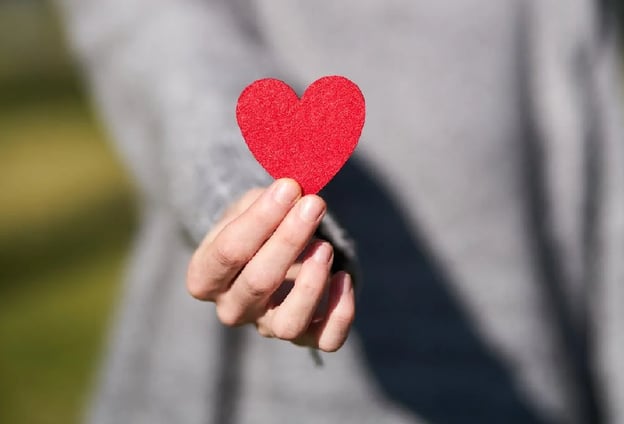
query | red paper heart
[308, 140]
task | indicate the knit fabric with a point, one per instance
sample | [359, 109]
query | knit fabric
[486, 200]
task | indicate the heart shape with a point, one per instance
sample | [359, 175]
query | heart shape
[308, 140]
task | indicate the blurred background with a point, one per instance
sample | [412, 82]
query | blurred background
[66, 219]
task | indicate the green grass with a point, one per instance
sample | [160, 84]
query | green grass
[66, 217]
[51, 338]
[65, 223]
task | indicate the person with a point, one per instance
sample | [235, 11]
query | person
[485, 201]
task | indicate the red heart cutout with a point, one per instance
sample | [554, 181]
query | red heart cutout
[308, 140]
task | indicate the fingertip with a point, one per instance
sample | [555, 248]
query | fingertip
[199, 291]
[340, 315]
[320, 251]
[312, 208]
[285, 191]
[341, 286]
[229, 315]
[316, 198]
[287, 180]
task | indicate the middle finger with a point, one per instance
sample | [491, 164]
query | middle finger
[265, 272]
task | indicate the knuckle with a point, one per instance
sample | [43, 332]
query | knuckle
[332, 345]
[291, 239]
[230, 317]
[310, 288]
[229, 255]
[194, 281]
[194, 269]
[264, 331]
[257, 284]
[287, 329]
[198, 291]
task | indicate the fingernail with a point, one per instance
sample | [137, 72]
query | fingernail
[286, 192]
[323, 253]
[347, 285]
[343, 284]
[311, 209]
[321, 309]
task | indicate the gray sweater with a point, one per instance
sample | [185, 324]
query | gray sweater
[486, 199]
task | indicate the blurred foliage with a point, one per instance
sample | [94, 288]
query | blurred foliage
[34, 63]
[66, 215]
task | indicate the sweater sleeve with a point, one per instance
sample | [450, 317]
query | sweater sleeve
[167, 75]
[607, 244]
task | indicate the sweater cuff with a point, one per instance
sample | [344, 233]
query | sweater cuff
[345, 255]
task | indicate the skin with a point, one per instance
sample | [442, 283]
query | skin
[260, 265]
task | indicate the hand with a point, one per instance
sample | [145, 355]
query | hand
[259, 265]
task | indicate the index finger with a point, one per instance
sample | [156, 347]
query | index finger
[216, 262]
